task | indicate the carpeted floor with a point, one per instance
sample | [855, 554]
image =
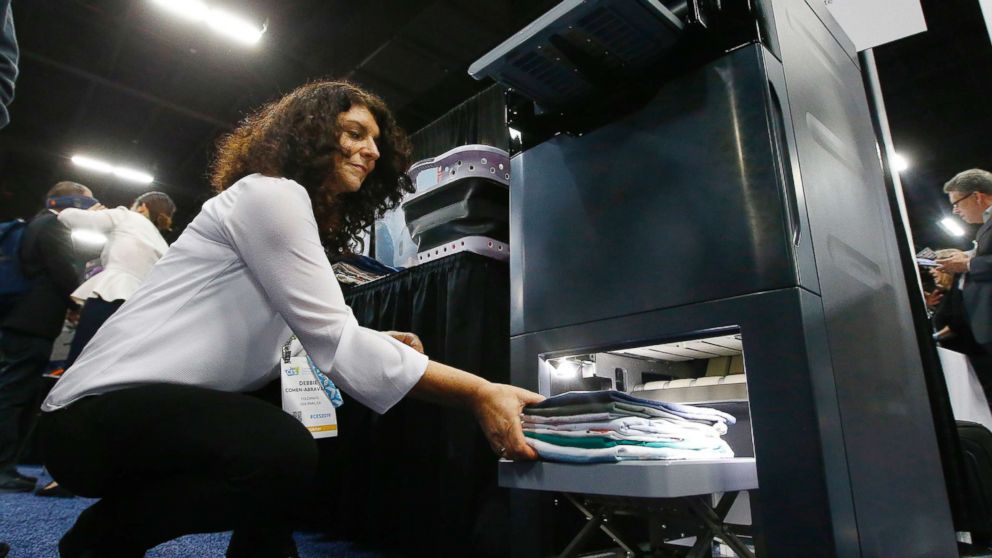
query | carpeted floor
[32, 527]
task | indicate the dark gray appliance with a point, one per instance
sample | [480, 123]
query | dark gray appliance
[730, 181]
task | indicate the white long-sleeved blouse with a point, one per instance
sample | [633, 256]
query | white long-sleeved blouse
[215, 310]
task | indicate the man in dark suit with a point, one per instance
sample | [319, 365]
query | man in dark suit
[28, 331]
[970, 194]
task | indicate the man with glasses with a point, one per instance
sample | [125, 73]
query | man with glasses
[970, 194]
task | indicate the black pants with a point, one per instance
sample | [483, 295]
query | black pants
[22, 361]
[170, 460]
[94, 313]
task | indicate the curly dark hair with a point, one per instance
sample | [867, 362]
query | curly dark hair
[295, 137]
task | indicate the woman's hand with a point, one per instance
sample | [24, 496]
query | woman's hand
[498, 407]
[407, 338]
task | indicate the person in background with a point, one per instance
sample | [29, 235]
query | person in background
[134, 244]
[28, 331]
[153, 418]
[970, 194]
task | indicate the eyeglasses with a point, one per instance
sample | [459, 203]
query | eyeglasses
[961, 199]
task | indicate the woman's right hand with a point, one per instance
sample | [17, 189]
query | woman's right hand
[497, 408]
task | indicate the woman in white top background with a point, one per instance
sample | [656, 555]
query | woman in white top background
[152, 417]
[134, 244]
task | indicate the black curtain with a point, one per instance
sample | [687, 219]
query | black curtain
[481, 119]
[421, 479]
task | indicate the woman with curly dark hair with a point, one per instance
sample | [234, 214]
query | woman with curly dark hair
[152, 419]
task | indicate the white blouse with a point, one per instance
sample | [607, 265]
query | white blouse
[216, 309]
[133, 246]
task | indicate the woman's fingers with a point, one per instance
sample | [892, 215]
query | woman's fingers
[499, 416]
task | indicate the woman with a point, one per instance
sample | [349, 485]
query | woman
[134, 244]
[151, 419]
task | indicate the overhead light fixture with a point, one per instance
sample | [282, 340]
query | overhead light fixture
[223, 22]
[133, 175]
[193, 10]
[899, 163]
[125, 173]
[91, 238]
[951, 226]
[92, 164]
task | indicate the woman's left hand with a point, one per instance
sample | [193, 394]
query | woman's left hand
[407, 338]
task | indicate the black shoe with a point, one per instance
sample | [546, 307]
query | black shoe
[4, 549]
[15, 484]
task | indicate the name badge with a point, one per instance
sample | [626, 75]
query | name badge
[304, 397]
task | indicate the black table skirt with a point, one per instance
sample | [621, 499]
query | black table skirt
[421, 479]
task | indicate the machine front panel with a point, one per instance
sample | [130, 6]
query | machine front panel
[678, 203]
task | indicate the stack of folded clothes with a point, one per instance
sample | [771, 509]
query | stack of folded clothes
[611, 426]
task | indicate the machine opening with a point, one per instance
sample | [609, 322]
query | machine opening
[704, 371]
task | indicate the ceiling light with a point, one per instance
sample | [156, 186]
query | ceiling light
[92, 164]
[107, 168]
[899, 163]
[190, 9]
[133, 175]
[92, 238]
[951, 226]
[223, 22]
[234, 27]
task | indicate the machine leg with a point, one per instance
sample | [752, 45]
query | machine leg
[596, 521]
[715, 527]
[592, 523]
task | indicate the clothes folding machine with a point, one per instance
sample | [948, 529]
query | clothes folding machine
[698, 214]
